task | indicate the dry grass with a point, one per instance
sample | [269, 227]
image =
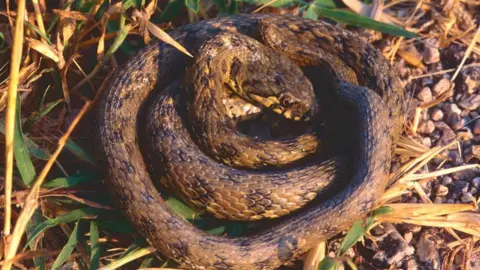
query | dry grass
[53, 49]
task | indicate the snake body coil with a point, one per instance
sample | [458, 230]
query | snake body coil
[380, 117]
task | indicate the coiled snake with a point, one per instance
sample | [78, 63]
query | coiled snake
[261, 75]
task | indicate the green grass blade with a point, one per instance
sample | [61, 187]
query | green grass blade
[327, 263]
[36, 30]
[362, 21]
[79, 152]
[45, 110]
[95, 246]
[118, 40]
[358, 230]
[276, 4]
[138, 253]
[65, 218]
[67, 182]
[119, 226]
[33, 148]
[67, 249]
[21, 153]
[36, 219]
[192, 5]
[171, 10]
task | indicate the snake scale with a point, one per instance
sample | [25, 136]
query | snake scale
[378, 99]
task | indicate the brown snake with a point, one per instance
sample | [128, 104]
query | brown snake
[380, 118]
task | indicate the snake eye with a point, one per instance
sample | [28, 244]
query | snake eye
[286, 101]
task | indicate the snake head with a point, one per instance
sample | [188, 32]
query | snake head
[272, 81]
[287, 105]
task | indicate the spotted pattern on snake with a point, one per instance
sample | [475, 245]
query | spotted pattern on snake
[378, 100]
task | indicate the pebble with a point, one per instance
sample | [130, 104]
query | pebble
[408, 236]
[454, 115]
[411, 265]
[476, 127]
[456, 121]
[427, 253]
[470, 103]
[431, 55]
[457, 188]
[427, 142]
[425, 95]
[446, 180]
[456, 158]
[470, 80]
[441, 87]
[467, 197]
[447, 133]
[476, 182]
[437, 114]
[393, 248]
[470, 84]
[426, 127]
[476, 150]
[451, 108]
[441, 190]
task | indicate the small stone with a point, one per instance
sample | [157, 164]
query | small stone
[426, 127]
[454, 115]
[456, 121]
[441, 190]
[451, 108]
[465, 175]
[476, 150]
[427, 252]
[393, 248]
[476, 182]
[431, 55]
[411, 265]
[427, 142]
[438, 200]
[467, 197]
[469, 80]
[441, 87]
[437, 115]
[456, 158]
[457, 188]
[408, 236]
[446, 180]
[476, 127]
[470, 103]
[470, 84]
[425, 95]
[427, 187]
[447, 133]
[415, 228]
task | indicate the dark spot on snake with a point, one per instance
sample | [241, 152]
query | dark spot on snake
[235, 67]
[119, 104]
[222, 263]
[128, 167]
[116, 136]
[203, 160]
[180, 247]
[129, 95]
[278, 79]
[227, 150]
[184, 155]
[286, 245]
[146, 195]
